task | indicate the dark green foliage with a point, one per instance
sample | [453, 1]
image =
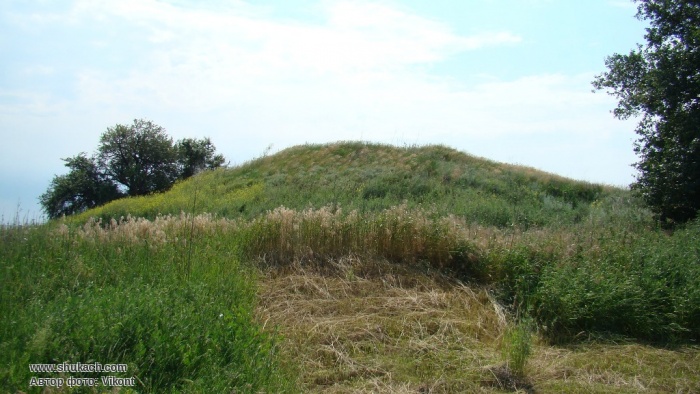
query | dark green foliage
[197, 155]
[84, 187]
[519, 271]
[468, 263]
[397, 187]
[140, 157]
[661, 82]
[573, 193]
[133, 160]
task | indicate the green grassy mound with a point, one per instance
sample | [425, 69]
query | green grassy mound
[370, 178]
[166, 283]
[578, 257]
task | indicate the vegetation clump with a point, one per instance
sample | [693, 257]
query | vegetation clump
[173, 305]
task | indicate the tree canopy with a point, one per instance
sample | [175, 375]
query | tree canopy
[131, 160]
[661, 82]
[197, 155]
[84, 187]
[140, 157]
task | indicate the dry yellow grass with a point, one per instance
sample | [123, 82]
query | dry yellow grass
[356, 326]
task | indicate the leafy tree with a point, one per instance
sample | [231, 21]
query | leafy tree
[197, 155]
[661, 81]
[84, 187]
[141, 157]
[132, 160]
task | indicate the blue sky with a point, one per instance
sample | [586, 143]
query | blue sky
[509, 80]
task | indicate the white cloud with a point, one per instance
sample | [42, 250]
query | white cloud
[357, 35]
[359, 69]
[365, 54]
[248, 80]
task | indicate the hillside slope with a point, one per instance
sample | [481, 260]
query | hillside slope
[372, 177]
[427, 269]
[571, 254]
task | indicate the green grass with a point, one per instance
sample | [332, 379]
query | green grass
[580, 261]
[177, 308]
[517, 347]
[370, 178]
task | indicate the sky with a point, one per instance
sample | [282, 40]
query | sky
[508, 80]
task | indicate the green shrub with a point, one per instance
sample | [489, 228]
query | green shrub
[647, 289]
[518, 272]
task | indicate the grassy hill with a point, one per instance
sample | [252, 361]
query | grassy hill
[376, 268]
[371, 177]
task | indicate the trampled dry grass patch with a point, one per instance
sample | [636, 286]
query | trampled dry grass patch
[381, 327]
[373, 326]
[616, 368]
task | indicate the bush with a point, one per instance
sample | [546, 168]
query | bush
[648, 290]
